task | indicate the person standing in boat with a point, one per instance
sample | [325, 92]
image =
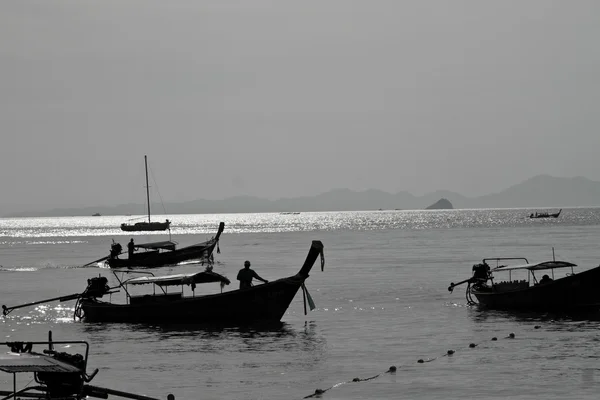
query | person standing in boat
[131, 248]
[246, 275]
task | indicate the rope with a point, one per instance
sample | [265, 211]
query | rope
[158, 191]
[393, 368]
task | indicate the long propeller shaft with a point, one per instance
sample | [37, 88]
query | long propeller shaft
[7, 310]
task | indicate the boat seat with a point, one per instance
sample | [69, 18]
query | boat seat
[155, 298]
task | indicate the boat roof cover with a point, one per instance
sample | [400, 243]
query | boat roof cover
[33, 362]
[166, 245]
[536, 266]
[180, 279]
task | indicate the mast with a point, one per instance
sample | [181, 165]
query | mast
[147, 186]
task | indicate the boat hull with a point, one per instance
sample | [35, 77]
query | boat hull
[574, 292]
[155, 259]
[146, 226]
[263, 303]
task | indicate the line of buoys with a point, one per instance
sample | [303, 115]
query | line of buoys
[393, 368]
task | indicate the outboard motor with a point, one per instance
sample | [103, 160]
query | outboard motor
[115, 250]
[481, 273]
[60, 384]
[97, 287]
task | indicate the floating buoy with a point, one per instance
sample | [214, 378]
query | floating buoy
[170, 397]
[472, 345]
[450, 352]
[494, 338]
[421, 361]
[511, 335]
[537, 327]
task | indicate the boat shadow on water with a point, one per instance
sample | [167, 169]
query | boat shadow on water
[268, 337]
[482, 314]
[209, 330]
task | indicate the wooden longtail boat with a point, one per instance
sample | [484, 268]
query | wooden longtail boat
[575, 291]
[545, 214]
[262, 303]
[59, 375]
[159, 254]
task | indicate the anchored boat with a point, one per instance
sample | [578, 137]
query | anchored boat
[148, 226]
[58, 375]
[262, 303]
[573, 291]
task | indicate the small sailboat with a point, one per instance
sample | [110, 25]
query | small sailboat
[148, 226]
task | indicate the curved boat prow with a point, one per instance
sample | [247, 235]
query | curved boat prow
[316, 249]
[221, 228]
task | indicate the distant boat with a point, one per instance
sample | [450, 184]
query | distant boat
[545, 214]
[146, 226]
[289, 213]
[96, 215]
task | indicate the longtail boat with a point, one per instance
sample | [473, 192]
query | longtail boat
[573, 291]
[58, 375]
[159, 254]
[545, 214]
[262, 303]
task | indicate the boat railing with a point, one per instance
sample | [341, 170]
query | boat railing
[498, 259]
[123, 282]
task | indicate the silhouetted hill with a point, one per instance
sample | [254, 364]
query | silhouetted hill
[539, 191]
[441, 204]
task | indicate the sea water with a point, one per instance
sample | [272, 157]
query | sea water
[381, 301]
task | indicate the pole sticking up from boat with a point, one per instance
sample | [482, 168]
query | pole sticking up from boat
[147, 186]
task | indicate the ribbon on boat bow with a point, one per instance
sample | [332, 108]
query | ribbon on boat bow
[322, 261]
[306, 296]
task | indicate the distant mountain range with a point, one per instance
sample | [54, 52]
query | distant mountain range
[541, 191]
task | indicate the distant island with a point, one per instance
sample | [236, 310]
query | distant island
[542, 191]
[441, 204]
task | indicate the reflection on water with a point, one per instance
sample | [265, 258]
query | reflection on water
[567, 321]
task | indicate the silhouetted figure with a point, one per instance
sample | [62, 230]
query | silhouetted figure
[545, 279]
[246, 274]
[131, 248]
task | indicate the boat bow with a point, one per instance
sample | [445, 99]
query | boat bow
[316, 249]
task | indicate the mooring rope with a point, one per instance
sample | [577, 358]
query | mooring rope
[393, 368]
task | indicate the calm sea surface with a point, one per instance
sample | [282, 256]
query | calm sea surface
[381, 301]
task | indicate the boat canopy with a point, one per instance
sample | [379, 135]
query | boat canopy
[33, 362]
[180, 279]
[536, 266]
[165, 245]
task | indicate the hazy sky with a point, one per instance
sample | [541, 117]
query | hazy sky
[286, 98]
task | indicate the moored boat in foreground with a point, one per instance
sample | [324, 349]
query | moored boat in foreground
[262, 303]
[573, 291]
[58, 375]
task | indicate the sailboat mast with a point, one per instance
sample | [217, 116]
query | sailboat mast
[147, 186]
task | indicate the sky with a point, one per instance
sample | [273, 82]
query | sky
[291, 98]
